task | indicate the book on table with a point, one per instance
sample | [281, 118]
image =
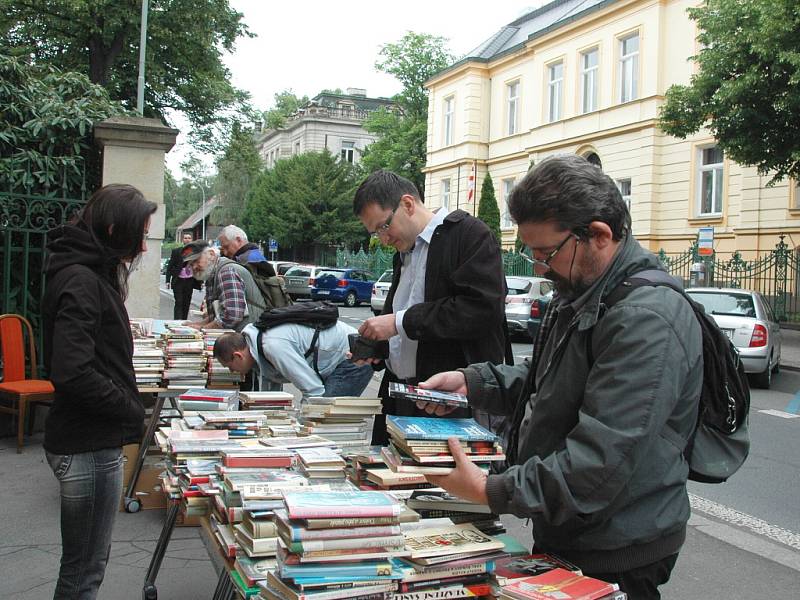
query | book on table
[255, 546]
[281, 589]
[304, 505]
[517, 567]
[444, 501]
[446, 542]
[430, 428]
[560, 584]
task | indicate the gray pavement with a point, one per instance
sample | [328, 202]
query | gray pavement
[719, 561]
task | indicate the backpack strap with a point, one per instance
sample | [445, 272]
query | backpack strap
[313, 349]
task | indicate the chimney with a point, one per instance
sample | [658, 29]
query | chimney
[357, 92]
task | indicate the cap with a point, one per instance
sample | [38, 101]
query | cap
[193, 250]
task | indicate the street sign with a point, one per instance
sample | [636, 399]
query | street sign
[705, 241]
[273, 245]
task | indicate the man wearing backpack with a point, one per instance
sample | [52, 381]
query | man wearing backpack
[603, 415]
[284, 357]
[232, 297]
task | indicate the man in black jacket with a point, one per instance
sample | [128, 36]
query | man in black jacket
[445, 308]
[179, 277]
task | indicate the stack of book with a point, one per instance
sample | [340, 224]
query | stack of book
[337, 545]
[560, 584]
[202, 399]
[267, 401]
[347, 420]
[432, 504]
[321, 463]
[148, 362]
[185, 357]
[219, 376]
[239, 424]
[419, 444]
[516, 567]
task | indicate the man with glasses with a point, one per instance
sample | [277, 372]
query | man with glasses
[445, 307]
[602, 414]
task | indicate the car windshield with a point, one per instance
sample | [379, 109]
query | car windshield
[387, 276]
[725, 303]
[336, 274]
[298, 271]
[518, 286]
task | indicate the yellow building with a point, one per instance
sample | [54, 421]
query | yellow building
[588, 77]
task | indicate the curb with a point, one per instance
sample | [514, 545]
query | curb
[789, 367]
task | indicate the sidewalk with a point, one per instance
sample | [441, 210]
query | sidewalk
[790, 349]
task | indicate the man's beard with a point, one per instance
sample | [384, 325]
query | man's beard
[202, 275]
[582, 275]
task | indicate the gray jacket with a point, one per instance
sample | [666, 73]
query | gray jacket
[599, 468]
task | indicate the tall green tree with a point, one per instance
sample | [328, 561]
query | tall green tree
[286, 104]
[305, 200]
[402, 135]
[46, 137]
[237, 169]
[488, 212]
[747, 88]
[100, 39]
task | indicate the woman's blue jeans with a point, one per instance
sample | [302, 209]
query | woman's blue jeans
[91, 487]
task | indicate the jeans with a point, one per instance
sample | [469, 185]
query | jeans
[91, 487]
[641, 583]
[348, 379]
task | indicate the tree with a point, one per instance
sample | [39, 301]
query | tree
[305, 200]
[236, 171]
[488, 212]
[402, 135]
[286, 104]
[46, 141]
[100, 38]
[747, 88]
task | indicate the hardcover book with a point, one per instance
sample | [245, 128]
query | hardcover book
[517, 567]
[430, 428]
[316, 505]
[561, 584]
[445, 541]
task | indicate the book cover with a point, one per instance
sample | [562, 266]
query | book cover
[444, 541]
[292, 592]
[385, 568]
[414, 574]
[434, 500]
[430, 428]
[292, 531]
[517, 567]
[413, 393]
[208, 395]
[316, 505]
[307, 546]
[561, 584]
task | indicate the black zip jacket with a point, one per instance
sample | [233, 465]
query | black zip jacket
[88, 350]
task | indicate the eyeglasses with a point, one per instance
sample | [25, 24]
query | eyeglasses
[383, 228]
[546, 262]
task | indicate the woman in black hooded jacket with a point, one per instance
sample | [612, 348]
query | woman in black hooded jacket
[88, 353]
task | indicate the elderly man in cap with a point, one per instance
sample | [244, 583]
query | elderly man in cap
[234, 245]
[232, 297]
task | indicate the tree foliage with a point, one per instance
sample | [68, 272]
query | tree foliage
[747, 88]
[286, 104]
[100, 38]
[236, 172]
[46, 140]
[185, 196]
[402, 136]
[488, 212]
[305, 200]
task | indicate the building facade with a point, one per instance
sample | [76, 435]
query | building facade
[588, 77]
[329, 121]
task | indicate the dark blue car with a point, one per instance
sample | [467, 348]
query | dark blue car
[349, 286]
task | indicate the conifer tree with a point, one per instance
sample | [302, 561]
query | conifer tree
[488, 212]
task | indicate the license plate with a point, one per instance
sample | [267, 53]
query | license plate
[729, 333]
[381, 293]
[323, 292]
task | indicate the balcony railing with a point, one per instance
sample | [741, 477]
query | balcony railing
[345, 114]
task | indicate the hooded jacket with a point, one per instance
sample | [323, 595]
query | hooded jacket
[599, 466]
[88, 349]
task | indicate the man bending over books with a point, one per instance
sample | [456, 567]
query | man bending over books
[289, 353]
[603, 411]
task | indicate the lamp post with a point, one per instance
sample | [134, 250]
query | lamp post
[203, 212]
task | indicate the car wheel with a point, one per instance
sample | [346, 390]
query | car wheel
[351, 299]
[764, 379]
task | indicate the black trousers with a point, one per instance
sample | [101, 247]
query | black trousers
[641, 583]
[182, 290]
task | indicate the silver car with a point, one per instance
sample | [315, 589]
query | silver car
[522, 291]
[299, 280]
[747, 319]
[379, 292]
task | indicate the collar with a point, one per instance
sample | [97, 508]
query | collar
[438, 218]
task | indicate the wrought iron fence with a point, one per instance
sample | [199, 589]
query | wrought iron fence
[377, 261]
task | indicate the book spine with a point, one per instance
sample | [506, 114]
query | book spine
[323, 512]
[346, 544]
[300, 534]
[345, 522]
[464, 580]
[443, 593]
[444, 572]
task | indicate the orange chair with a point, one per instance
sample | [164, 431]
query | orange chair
[15, 386]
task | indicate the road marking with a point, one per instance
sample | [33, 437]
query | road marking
[740, 519]
[779, 413]
[794, 405]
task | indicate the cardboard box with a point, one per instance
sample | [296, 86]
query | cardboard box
[148, 486]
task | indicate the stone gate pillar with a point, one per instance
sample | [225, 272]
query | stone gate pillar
[133, 153]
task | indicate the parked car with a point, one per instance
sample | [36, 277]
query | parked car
[538, 308]
[299, 280]
[164, 262]
[747, 319]
[522, 291]
[379, 292]
[350, 286]
[281, 266]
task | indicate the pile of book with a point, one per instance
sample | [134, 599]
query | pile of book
[419, 444]
[557, 583]
[320, 462]
[185, 357]
[281, 419]
[202, 399]
[367, 469]
[148, 362]
[336, 545]
[347, 420]
[239, 424]
[434, 504]
[219, 376]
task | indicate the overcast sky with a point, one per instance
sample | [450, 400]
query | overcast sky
[313, 45]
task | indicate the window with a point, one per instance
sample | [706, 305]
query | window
[589, 67]
[505, 217]
[448, 120]
[555, 80]
[710, 181]
[446, 194]
[512, 93]
[297, 147]
[348, 151]
[628, 67]
[624, 186]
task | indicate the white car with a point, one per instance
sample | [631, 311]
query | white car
[747, 319]
[380, 291]
[522, 291]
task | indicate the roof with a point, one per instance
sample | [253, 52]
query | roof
[531, 25]
[201, 213]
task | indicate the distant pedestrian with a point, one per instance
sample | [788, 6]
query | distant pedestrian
[88, 352]
[179, 277]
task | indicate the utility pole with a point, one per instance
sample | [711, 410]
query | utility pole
[142, 49]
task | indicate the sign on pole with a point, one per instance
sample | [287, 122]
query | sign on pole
[273, 247]
[705, 241]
